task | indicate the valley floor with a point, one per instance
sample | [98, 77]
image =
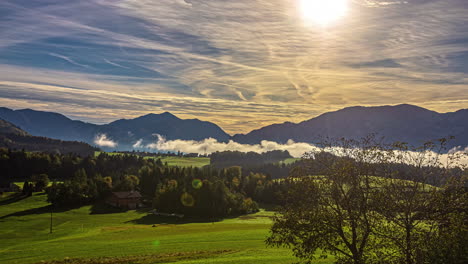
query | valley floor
[81, 236]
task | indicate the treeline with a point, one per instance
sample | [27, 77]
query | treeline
[272, 170]
[192, 191]
[249, 159]
[200, 192]
[209, 192]
[317, 165]
[21, 165]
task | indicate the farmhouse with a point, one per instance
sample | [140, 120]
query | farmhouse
[125, 200]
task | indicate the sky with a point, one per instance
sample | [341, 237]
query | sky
[241, 64]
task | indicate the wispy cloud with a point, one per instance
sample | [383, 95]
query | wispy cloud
[68, 60]
[115, 64]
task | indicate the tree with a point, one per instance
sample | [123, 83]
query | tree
[128, 183]
[450, 242]
[27, 189]
[411, 202]
[331, 212]
[41, 181]
[148, 180]
[367, 202]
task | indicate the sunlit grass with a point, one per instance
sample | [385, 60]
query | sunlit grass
[173, 160]
[25, 238]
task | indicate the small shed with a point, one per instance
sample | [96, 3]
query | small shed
[125, 200]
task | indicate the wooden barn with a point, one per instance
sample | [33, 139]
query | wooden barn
[125, 200]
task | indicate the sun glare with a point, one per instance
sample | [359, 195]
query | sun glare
[323, 12]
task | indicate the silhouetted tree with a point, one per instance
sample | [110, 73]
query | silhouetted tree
[337, 205]
[41, 181]
[27, 189]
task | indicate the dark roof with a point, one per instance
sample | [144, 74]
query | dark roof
[123, 195]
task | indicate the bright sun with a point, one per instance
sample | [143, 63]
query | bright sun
[323, 12]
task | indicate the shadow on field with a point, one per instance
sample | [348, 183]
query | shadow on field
[39, 210]
[13, 198]
[103, 208]
[151, 219]
[269, 207]
[145, 259]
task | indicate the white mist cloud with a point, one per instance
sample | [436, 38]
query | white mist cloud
[138, 144]
[103, 141]
[211, 145]
[458, 149]
[457, 156]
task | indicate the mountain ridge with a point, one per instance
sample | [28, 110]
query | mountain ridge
[404, 122]
[125, 131]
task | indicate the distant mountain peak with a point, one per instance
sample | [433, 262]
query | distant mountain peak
[387, 107]
[164, 116]
[410, 107]
[168, 114]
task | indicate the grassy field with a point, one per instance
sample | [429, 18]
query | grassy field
[186, 161]
[290, 160]
[21, 184]
[174, 160]
[128, 237]
[189, 161]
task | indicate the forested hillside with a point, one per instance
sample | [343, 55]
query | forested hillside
[237, 158]
[12, 137]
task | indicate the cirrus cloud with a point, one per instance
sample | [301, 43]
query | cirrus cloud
[241, 64]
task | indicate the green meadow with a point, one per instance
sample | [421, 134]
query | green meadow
[173, 160]
[82, 236]
[187, 161]
[290, 160]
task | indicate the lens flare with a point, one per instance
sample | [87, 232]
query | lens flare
[197, 184]
[187, 200]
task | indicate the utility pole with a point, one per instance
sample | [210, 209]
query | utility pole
[51, 209]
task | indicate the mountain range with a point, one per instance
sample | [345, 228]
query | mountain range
[125, 132]
[407, 123]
